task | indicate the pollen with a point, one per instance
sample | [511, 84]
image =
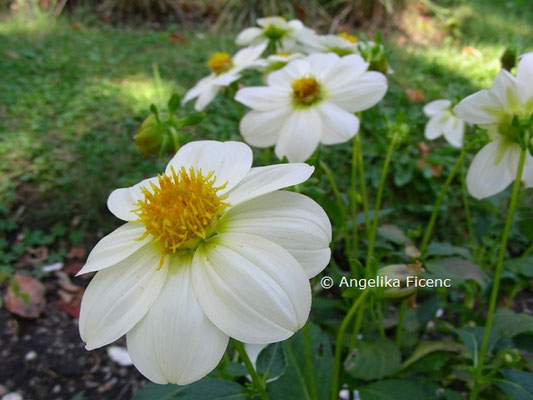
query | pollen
[348, 37]
[306, 91]
[220, 62]
[181, 209]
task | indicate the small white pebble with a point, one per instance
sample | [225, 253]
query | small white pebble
[119, 355]
[30, 355]
[53, 267]
[12, 396]
[344, 394]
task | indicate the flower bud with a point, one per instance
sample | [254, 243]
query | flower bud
[397, 275]
[508, 59]
[149, 136]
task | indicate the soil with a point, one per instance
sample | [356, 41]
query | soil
[45, 359]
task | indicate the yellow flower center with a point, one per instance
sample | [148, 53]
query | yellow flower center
[181, 209]
[306, 91]
[283, 54]
[220, 62]
[348, 37]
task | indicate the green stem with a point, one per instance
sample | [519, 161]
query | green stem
[342, 209]
[257, 381]
[438, 203]
[353, 199]
[357, 326]
[373, 229]
[401, 319]
[379, 309]
[359, 149]
[340, 341]
[309, 362]
[528, 251]
[468, 215]
[497, 275]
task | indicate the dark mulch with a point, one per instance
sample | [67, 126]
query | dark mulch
[46, 359]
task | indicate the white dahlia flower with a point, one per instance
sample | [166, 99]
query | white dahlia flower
[495, 166]
[211, 249]
[224, 71]
[284, 34]
[443, 122]
[308, 102]
[342, 44]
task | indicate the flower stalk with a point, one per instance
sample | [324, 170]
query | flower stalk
[256, 380]
[438, 202]
[497, 275]
[340, 340]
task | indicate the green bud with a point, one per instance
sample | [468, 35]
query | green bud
[397, 275]
[508, 58]
[149, 136]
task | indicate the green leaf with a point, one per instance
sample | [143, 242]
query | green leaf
[394, 389]
[78, 396]
[161, 392]
[447, 249]
[518, 384]
[295, 382]
[208, 388]
[394, 234]
[271, 362]
[373, 360]
[472, 338]
[457, 269]
[426, 347]
[508, 323]
[520, 266]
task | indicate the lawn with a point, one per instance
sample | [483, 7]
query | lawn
[73, 92]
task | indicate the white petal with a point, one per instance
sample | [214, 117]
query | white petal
[115, 247]
[339, 125]
[205, 97]
[253, 350]
[300, 135]
[359, 94]
[323, 64]
[435, 126]
[506, 88]
[274, 21]
[293, 70]
[527, 174]
[248, 35]
[121, 202]
[454, 130]
[492, 169]
[248, 55]
[230, 161]
[175, 342]
[341, 71]
[262, 128]
[200, 86]
[264, 98]
[118, 297]
[524, 74]
[291, 220]
[436, 107]
[482, 107]
[263, 180]
[250, 288]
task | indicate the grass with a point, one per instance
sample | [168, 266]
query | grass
[72, 96]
